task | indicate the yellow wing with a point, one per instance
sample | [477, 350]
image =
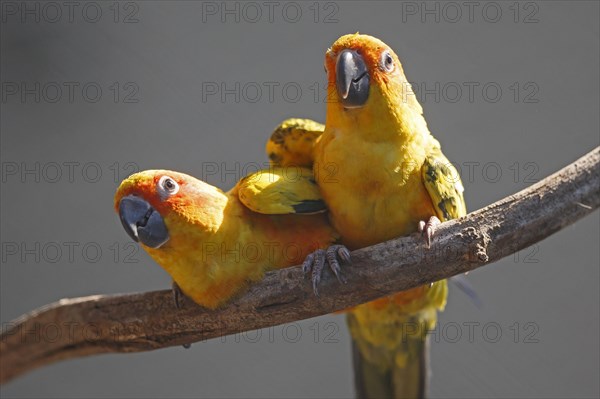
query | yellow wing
[443, 184]
[293, 141]
[279, 191]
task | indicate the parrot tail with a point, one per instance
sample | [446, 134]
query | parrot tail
[390, 342]
[411, 381]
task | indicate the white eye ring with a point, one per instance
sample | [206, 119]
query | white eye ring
[387, 61]
[167, 186]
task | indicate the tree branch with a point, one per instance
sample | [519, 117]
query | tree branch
[146, 321]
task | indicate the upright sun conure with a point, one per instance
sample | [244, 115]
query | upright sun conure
[213, 243]
[382, 175]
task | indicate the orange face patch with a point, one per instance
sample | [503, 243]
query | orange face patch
[373, 52]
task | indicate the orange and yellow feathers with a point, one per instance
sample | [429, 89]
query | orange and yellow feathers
[391, 177]
[213, 243]
[381, 174]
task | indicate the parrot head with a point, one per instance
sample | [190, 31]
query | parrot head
[156, 206]
[364, 73]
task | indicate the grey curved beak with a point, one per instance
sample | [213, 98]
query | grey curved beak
[352, 79]
[142, 222]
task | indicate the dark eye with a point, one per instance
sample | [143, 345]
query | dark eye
[167, 186]
[387, 61]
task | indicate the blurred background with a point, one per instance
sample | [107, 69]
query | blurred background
[93, 91]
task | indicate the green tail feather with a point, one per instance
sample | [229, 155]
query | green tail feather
[411, 381]
[391, 346]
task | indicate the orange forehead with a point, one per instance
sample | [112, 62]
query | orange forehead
[369, 47]
[144, 184]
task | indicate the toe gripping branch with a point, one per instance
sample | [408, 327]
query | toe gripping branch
[314, 264]
[427, 230]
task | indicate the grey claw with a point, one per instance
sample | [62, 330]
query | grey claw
[429, 234]
[307, 265]
[334, 265]
[315, 263]
[344, 254]
[317, 269]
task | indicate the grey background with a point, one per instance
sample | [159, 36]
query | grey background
[170, 54]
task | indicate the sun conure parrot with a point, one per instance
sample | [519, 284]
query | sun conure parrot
[213, 243]
[382, 175]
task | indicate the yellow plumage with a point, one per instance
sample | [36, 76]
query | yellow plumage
[381, 173]
[391, 175]
[216, 243]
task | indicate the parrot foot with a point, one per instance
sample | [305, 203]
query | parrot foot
[314, 264]
[428, 229]
[178, 298]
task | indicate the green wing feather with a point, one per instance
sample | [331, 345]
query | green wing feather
[280, 191]
[292, 142]
[444, 186]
